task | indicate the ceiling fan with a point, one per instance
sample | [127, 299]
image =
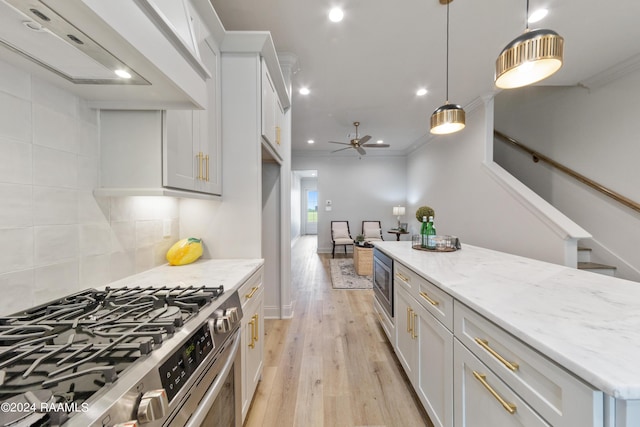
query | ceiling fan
[358, 143]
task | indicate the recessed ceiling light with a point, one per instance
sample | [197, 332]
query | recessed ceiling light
[311, 141]
[336, 14]
[313, 174]
[379, 141]
[304, 91]
[537, 15]
[122, 73]
[421, 92]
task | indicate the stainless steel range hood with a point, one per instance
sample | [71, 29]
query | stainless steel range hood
[36, 31]
[79, 45]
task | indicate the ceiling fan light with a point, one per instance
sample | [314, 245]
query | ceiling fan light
[529, 58]
[448, 118]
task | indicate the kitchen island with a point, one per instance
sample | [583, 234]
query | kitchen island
[586, 324]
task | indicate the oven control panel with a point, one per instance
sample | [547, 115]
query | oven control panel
[177, 369]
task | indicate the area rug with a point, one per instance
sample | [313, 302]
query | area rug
[343, 275]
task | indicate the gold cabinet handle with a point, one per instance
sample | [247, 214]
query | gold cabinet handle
[401, 277]
[413, 326]
[431, 301]
[206, 159]
[199, 156]
[278, 135]
[409, 320]
[253, 291]
[485, 344]
[509, 407]
[252, 322]
[257, 329]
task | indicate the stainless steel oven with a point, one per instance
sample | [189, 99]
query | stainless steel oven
[383, 280]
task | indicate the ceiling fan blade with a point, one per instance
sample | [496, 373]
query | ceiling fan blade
[361, 150]
[342, 149]
[334, 142]
[364, 139]
[376, 145]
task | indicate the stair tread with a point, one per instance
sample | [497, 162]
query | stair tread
[594, 265]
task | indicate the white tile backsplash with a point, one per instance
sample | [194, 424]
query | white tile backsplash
[16, 206]
[58, 238]
[15, 118]
[53, 129]
[54, 206]
[55, 243]
[15, 161]
[18, 249]
[17, 290]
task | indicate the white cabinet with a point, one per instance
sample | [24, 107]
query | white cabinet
[272, 112]
[482, 399]
[424, 347]
[252, 342]
[192, 147]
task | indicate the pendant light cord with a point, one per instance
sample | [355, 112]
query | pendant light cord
[447, 77]
[526, 18]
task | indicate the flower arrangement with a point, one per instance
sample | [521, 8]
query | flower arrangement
[424, 211]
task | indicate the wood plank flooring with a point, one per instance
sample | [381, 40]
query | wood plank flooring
[331, 365]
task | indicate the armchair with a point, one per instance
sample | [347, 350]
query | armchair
[340, 236]
[372, 230]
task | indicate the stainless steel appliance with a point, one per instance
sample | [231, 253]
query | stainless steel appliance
[165, 356]
[383, 280]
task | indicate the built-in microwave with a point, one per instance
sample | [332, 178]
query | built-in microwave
[383, 280]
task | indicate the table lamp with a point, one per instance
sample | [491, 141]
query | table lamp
[398, 211]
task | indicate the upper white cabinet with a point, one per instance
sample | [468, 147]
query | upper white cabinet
[272, 113]
[153, 40]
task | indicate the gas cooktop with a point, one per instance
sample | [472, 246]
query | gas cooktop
[54, 357]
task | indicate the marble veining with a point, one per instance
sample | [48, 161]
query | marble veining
[585, 322]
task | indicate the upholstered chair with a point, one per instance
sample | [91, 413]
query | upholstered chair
[372, 231]
[340, 235]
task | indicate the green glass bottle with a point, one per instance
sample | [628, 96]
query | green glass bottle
[423, 233]
[431, 232]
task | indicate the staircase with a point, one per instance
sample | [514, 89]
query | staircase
[584, 263]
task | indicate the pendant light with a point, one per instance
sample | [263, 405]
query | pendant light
[529, 58]
[448, 118]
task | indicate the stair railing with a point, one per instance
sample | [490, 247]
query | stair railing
[536, 157]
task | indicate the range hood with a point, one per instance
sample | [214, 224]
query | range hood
[114, 53]
[36, 31]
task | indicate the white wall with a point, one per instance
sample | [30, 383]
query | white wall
[594, 132]
[56, 238]
[365, 189]
[448, 173]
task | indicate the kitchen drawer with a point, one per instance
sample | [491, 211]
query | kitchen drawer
[483, 400]
[250, 289]
[560, 398]
[436, 301]
[386, 323]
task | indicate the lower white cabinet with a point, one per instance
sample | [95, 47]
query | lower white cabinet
[482, 399]
[252, 342]
[425, 350]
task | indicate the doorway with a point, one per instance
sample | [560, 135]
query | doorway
[311, 211]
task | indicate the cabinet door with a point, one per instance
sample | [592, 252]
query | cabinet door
[252, 349]
[482, 399]
[406, 343]
[435, 373]
[208, 126]
[180, 165]
[269, 97]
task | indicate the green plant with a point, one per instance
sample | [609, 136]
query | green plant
[360, 238]
[424, 211]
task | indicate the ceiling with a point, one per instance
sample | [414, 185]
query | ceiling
[368, 67]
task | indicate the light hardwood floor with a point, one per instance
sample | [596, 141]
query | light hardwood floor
[331, 365]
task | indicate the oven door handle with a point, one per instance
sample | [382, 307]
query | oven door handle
[207, 401]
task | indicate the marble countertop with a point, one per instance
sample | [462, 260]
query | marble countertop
[230, 273]
[586, 322]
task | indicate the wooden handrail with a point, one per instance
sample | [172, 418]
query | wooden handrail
[596, 186]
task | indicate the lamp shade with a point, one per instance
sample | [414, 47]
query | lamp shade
[449, 118]
[529, 58]
[398, 210]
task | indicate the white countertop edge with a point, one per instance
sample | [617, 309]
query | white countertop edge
[617, 380]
